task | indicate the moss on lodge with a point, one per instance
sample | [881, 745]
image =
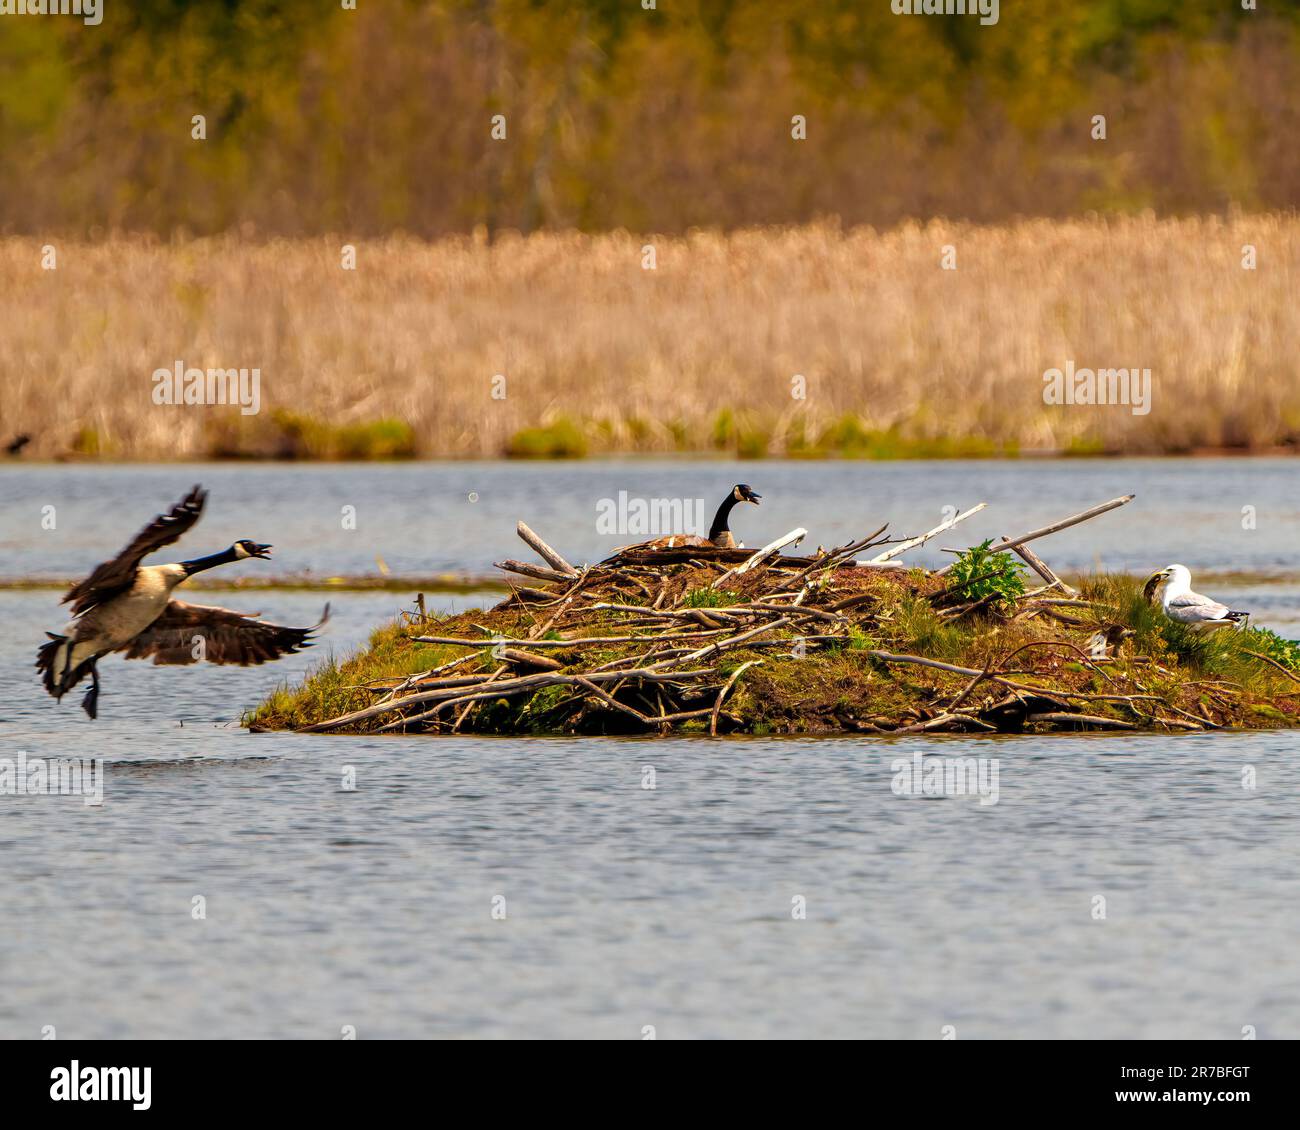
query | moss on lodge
[796, 646]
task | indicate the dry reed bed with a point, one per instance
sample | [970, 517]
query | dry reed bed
[696, 354]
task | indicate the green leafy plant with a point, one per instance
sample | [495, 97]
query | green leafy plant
[1266, 642]
[981, 572]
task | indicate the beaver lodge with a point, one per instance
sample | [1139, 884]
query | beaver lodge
[732, 641]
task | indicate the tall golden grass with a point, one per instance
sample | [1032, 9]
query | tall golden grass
[601, 355]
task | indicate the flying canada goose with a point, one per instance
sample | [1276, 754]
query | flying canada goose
[1183, 606]
[125, 606]
[719, 533]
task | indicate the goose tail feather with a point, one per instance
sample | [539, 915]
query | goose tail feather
[51, 662]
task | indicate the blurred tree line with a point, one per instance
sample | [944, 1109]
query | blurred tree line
[378, 119]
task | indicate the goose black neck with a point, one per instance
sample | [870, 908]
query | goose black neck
[721, 518]
[210, 562]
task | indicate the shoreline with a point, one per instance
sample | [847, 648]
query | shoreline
[472, 582]
[1280, 451]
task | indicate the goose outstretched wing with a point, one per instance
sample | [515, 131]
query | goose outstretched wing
[186, 633]
[118, 574]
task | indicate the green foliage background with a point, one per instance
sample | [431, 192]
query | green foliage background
[322, 119]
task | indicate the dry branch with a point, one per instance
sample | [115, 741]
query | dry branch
[1056, 527]
[1039, 566]
[794, 537]
[540, 572]
[549, 555]
[731, 682]
[912, 543]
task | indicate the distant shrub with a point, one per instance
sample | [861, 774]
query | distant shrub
[378, 439]
[88, 442]
[292, 435]
[561, 439]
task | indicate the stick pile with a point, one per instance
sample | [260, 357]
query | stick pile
[672, 619]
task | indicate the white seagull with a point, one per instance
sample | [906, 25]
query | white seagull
[1191, 609]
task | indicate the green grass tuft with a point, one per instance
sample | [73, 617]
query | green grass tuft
[709, 598]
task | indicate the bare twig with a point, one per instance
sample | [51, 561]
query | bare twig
[717, 706]
[912, 543]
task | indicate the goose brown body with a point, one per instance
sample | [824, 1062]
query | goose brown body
[128, 607]
[720, 535]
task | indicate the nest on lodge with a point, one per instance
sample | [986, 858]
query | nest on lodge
[697, 639]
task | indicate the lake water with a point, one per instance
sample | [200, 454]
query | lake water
[460, 517]
[628, 907]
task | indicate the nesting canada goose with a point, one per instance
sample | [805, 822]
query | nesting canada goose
[128, 607]
[1183, 606]
[719, 533]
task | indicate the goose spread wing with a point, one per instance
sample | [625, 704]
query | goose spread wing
[218, 635]
[118, 574]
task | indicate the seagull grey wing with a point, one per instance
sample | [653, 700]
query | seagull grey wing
[1193, 608]
[118, 574]
[186, 633]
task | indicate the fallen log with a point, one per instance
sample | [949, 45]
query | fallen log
[1062, 718]
[526, 659]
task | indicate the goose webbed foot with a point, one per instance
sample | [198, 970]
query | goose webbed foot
[91, 701]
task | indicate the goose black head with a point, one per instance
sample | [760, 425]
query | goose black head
[741, 492]
[245, 547]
